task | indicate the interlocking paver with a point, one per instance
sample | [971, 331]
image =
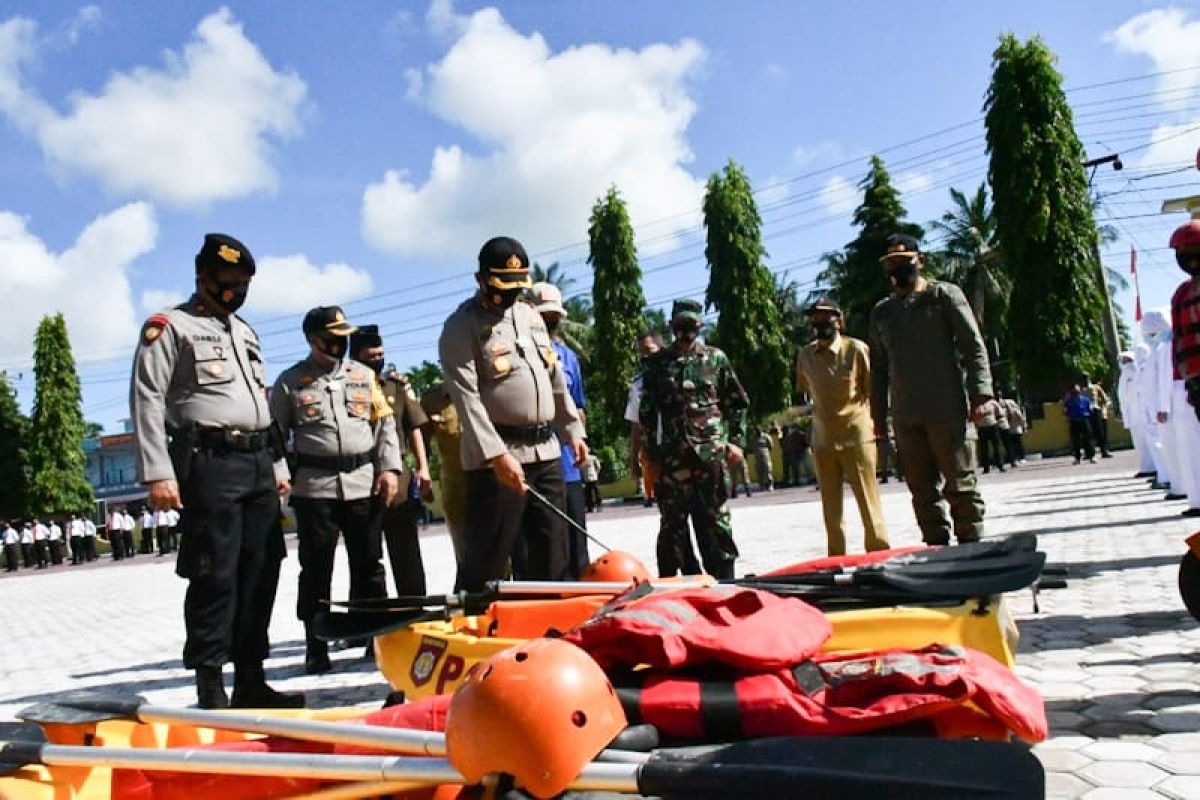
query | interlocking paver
[1115, 653]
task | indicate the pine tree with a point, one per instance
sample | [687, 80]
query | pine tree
[618, 304]
[854, 275]
[58, 480]
[1044, 221]
[742, 289]
[14, 473]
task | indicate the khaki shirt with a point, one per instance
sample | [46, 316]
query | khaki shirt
[928, 355]
[192, 367]
[501, 369]
[339, 412]
[839, 379]
[1095, 392]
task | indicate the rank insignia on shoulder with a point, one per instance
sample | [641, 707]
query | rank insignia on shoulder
[153, 328]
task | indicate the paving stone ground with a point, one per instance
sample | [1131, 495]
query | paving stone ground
[1115, 654]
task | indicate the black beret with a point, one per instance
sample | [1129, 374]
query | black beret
[220, 250]
[899, 244]
[826, 303]
[366, 336]
[497, 255]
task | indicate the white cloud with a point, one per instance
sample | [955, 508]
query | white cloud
[776, 72]
[443, 20]
[1167, 36]
[415, 81]
[289, 284]
[157, 299]
[551, 132]
[86, 19]
[839, 196]
[824, 151]
[197, 130]
[913, 181]
[88, 282]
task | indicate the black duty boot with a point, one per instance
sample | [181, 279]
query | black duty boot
[210, 688]
[316, 654]
[250, 690]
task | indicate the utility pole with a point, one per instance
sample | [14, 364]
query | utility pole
[1112, 340]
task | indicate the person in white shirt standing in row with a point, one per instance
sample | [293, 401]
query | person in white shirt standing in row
[149, 528]
[56, 543]
[11, 541]
[41, 543]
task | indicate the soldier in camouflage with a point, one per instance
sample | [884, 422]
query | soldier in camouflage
[691, 390]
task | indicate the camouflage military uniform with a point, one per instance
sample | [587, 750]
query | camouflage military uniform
[701, 405]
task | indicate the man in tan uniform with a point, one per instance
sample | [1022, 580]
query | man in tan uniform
[511, 399]
[200, 425]
[346, 454]
[446, 433]
[836, 371]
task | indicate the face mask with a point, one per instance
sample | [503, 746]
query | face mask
[903, 274]
[376, 364]
[552, 323]
[229, 297]
[332, 346]
[503, 298]
[687, 333]
[1188, 262]
[824, 331]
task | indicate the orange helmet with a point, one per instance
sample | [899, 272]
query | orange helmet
[1186, 235]
[540, 711]
[616, 566]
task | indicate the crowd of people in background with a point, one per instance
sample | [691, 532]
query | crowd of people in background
[40, 543]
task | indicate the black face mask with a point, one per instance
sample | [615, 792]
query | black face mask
[903, 275]
[229, 297]
[552, 323]
[1188, 262]
[503, 298]
[824, 330]
[332, 346]
[687, 333]
[376, 364]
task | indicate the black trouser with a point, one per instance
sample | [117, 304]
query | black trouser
[1099, 426]
[89, 548]
[319, 522]
[230, 554]
[1009, 440]
[1081, 438]
[577, 544]
[163, 539]
[27, 557]
[399, 524]
[78, 550]
[594, 499]
[42, 550]
[56, 551]
[10, 557]
[146, 545]
[989, 447]
[497, 515]
[127, 541]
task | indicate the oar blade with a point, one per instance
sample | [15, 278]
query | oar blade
[330, 627]
[20, 745]
[849, 768]
[84, 706]
[985, 578]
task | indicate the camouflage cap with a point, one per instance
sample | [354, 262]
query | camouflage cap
[686, 310]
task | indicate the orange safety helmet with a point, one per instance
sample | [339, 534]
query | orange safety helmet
[1186, 235]
[540, 711]
[616, 566]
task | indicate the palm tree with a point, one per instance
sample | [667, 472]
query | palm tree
[971, 259]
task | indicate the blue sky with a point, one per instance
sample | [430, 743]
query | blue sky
[363, 151]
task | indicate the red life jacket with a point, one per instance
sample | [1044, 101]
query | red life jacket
[842, 694]
[748, 629]
[133, 784]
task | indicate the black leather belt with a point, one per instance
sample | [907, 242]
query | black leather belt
[232, 439]
[335, 463]
[525, 434]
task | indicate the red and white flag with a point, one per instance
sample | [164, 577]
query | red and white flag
[1137, 292]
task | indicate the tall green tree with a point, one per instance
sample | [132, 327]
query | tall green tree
[424, 375]
[58, 480]
[619, 303]
[14, 463]
[1044, 220]
[742, 290]
[854, 275]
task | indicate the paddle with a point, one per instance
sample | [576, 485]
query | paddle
[87, 707]
[851, 768]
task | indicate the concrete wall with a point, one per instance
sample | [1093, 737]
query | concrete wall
[1051, 435]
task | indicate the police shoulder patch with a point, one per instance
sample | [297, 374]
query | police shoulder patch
[153, 328]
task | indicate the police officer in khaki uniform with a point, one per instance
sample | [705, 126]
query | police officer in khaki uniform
[930, 368]
[511, 399]
[200, 423]
[347, 453]
[446, 434]
[836, 371]
[399, 520]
